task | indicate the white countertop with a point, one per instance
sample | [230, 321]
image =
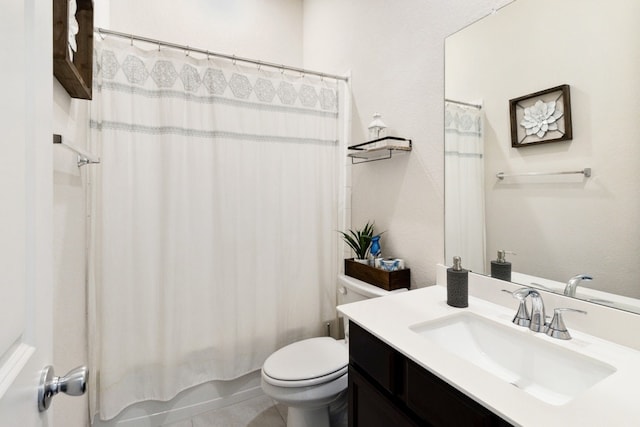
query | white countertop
[613, 401]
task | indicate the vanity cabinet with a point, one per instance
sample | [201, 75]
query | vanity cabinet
[388, 389]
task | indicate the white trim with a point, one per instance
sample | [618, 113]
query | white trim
[17, 359]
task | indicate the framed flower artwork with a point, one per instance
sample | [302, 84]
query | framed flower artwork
[541, 117]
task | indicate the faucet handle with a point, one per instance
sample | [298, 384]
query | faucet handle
[522, 317]
[557, 328]
[523, 293]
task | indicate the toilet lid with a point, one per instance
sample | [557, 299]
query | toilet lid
[314, 358]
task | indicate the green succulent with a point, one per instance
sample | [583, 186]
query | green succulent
[359, 240]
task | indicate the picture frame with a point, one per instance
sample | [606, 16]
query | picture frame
[74, 70]
[541, 117]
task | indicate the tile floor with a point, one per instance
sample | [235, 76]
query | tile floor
[260, 411]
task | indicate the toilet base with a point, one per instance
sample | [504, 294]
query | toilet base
[333, 415]
[299, 417]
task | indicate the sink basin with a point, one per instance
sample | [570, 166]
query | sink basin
[546, 371]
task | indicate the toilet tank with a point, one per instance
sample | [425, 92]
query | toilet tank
[353, 290]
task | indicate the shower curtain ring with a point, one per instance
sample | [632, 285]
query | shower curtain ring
[186, 52]
[233, 60]
[131, 37]
[259, 65]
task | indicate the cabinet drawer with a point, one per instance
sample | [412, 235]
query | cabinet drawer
[375, 358]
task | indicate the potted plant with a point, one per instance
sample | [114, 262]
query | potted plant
[359, 241]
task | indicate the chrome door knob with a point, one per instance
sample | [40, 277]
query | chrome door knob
[74, 383]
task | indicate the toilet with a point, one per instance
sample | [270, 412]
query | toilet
[310, 376]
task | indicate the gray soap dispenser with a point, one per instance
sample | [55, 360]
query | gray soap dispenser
[501, 268]
[457, 284]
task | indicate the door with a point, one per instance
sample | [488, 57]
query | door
[25, 208]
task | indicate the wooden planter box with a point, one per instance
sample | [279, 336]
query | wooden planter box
[388, 280]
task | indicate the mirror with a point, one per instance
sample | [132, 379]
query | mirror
[559, 225]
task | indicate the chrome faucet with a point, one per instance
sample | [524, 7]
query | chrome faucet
[537, 317]
[572, 284]
[537, 320]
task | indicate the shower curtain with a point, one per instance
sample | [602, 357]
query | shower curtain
[464, 186]
[215, 224]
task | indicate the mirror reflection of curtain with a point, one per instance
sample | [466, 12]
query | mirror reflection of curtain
[464, 186]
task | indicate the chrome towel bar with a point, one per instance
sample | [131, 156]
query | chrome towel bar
[84, 158]
[586, 172]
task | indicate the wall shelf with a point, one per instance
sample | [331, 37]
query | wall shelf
[378, 149]
[74, 72]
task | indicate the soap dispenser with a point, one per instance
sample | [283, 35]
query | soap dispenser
[501, 268]
[457, 284]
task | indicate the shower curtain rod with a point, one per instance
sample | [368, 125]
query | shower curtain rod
[468, 104]
[188, 49]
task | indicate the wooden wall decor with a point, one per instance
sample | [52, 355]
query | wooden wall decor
[75, 74]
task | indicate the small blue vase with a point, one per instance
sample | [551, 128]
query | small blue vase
[375, 246]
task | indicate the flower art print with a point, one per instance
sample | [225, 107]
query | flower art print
[541, 117]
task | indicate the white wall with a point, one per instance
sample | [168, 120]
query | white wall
[269, 30]
[395, 51]
[573, 225]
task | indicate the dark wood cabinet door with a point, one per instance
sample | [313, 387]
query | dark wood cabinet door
[387, 389]
[376, 358]
[441, 405]
[370, 407]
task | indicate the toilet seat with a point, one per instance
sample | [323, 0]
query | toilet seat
[306, 363]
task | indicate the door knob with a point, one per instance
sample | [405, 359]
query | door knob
[74, 383]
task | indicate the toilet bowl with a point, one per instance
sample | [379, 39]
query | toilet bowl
[310, 376]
